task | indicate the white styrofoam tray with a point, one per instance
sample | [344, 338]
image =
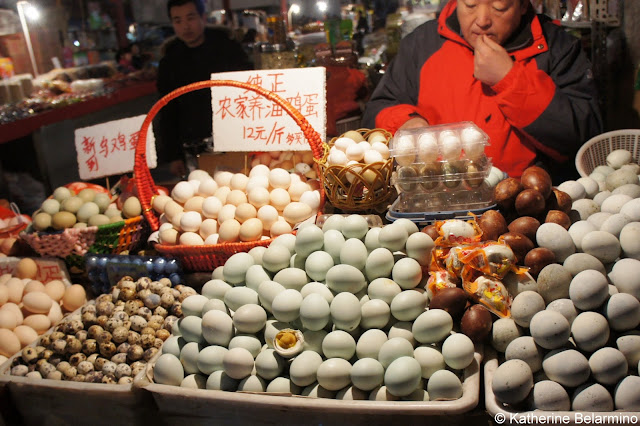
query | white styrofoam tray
[503, 414]
[44, 401]
[246, 408]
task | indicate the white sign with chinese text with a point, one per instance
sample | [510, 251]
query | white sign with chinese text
[108, 149]
[246, 121]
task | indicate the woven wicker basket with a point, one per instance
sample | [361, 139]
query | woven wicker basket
[594, 152]
[207, 257]
[73, 243]
[358, 187]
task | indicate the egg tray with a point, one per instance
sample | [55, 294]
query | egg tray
[509, 415]
[44, 401]
[463, 145]
[459, 175]
[594, 152]
[248, 407]
[426, 209]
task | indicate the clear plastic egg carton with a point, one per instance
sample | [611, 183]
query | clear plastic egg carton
[449, 156]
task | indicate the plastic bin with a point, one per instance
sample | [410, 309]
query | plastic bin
[44, 401]
[198, 406]
[594, 152]
[502, 414]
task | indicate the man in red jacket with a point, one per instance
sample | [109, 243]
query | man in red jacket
[517, 75]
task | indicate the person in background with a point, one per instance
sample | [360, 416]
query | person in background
[518, 76]
[193, 55]
[124, 59]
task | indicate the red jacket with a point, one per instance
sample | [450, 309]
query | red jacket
[544, 108]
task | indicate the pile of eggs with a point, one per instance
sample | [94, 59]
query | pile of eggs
[111, 338]
[231, 207]
[338, 312]
[572, 340]
[447, 154]
[299, 161]
[65, 209]
[28, 307]
[351, 149]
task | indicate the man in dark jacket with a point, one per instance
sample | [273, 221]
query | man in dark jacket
[517, 75]
[192, 56]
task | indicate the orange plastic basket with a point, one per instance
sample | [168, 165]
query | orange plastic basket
[208, 257]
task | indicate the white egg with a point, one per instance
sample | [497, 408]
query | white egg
[279, 178]
[259, 181]
[355, 152]
[239, 181]
[280, 198]
[198, 174]
[229, 231]
[191, 221]
[212, 239]
[343, 143]
[182, 192]
[382, 148]
[223, 178]
[227, 212]
[404, 150]
[311, 198]
[473, 142]
[268, 215]
[191, 239]
[337, 158]
[427, 148]
[259, 170]
[451, 147]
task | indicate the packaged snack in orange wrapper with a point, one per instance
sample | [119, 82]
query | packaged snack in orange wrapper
[455, 259]
[439, 280]
[492, 258]
[488, 291]
[454, 232]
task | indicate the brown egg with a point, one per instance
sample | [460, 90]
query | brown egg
[559, 217]
[26, 268]
[452, 300]
[9, 342]
[492, 224]
[537, 259]
[537, 178]
[525, 225]
[505, 193]
[519, 243]
[431, 231]
[476, 323]
[529, 203]
[74, 297]
[559, 200]
[55, 289]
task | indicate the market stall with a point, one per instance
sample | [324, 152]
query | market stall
[297, 277]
